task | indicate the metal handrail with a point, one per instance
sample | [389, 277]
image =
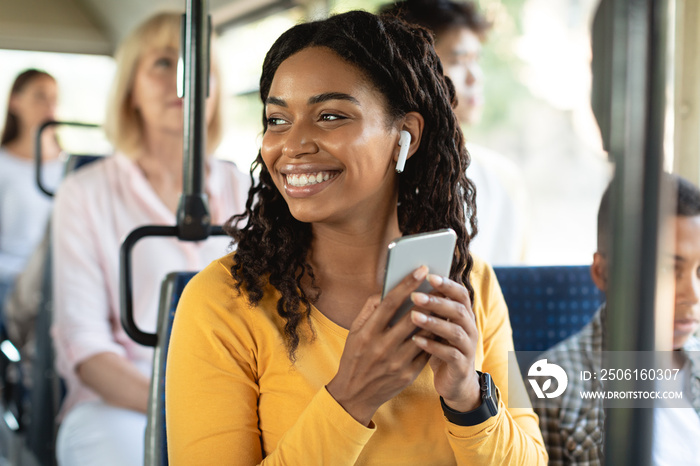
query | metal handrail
[126, 289]
[38, 160]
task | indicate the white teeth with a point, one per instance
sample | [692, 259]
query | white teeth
[301, 180]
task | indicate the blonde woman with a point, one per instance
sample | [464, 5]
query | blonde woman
[107, 374]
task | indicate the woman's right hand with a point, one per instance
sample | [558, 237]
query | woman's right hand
[378, 361]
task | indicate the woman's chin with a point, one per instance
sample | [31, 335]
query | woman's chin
[306, 215]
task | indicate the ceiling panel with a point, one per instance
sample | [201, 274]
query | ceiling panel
[92, 26]
[50, 25]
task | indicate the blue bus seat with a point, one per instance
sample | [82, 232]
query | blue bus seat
[547, 304]
[156, 447]
[76, 162]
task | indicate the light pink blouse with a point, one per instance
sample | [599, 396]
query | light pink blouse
[95, 208]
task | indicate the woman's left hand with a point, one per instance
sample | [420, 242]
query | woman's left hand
[448, 315]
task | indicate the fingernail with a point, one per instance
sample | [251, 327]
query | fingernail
[419, 317]
[435, 280]
[420, 273]
[420, 341]
[419, 298]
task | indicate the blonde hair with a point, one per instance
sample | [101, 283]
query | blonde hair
[123, 124]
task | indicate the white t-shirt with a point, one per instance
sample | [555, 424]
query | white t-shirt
[24, 210]
[501, 203]
[676, 431]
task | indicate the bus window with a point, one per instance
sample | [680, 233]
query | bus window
[241, 48]
[83, 82]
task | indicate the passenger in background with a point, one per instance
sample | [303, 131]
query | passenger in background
[501, 197]
[106, 373]
[281, 352]
[24, 210]
[573, 427]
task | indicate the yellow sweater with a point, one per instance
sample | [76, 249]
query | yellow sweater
[234, 398]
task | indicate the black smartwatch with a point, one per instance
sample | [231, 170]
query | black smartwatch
[487, 409]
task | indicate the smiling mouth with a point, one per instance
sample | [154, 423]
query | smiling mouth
[299, 180]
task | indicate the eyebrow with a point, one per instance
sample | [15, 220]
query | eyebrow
[275, 101]
[325, 97]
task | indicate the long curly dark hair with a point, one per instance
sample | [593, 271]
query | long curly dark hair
[434, 191]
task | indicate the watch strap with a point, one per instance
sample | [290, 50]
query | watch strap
[487, 409]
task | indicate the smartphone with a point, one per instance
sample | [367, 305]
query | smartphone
[434, 249]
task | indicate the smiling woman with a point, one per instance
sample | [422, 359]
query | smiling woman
[286, 344]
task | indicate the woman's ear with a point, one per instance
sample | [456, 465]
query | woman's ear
[413, 124]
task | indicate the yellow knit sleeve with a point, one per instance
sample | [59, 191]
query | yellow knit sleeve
[512, 436]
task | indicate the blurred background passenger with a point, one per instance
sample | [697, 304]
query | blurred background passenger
[459, 29]
[573, 427]
[24, 210]
[106, 373]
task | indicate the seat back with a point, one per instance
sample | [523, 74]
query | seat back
[547, 303]
[156, 445]
[76, 162]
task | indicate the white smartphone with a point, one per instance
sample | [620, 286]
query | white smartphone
[434, 249]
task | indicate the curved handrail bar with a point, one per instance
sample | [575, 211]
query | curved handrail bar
[37, 149]
[126, 291]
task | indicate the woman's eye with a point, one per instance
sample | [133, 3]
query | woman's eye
[163, 62]
[331, 117]
[272, 121]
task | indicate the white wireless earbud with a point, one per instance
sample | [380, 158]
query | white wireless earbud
[404, 143]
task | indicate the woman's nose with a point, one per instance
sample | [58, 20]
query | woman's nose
[299, 141]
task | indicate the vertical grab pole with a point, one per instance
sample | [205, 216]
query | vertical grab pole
[193, 219]
[193, 216]
[637, 110]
